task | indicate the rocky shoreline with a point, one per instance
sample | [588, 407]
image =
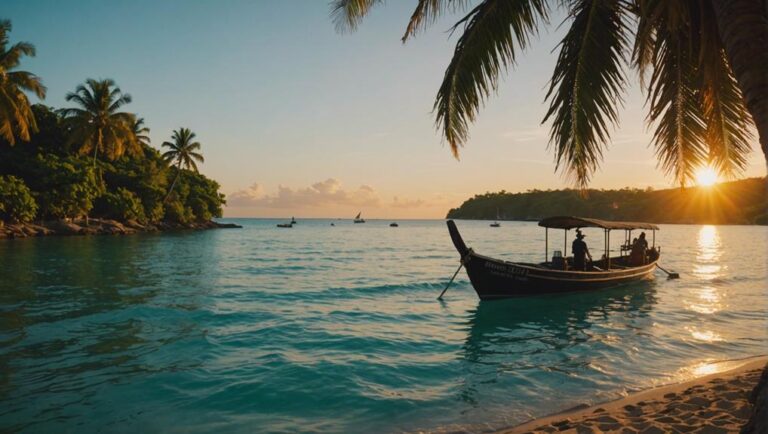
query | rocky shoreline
[98, 227]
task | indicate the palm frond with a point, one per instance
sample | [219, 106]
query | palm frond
[347, 14]
[493, 32]
[427, 11]
[726, 117]
[28, 81]
[674, 100]
[586, 86]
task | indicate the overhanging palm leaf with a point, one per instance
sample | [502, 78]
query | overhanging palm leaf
[673, 97]
[493, 31]
[725, 113]
[586, 86]
[347, 14]
[16, 117]
[426, 13]
[676, 40]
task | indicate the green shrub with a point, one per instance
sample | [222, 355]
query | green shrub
[16, 201]
[122, 205]
[175, 212]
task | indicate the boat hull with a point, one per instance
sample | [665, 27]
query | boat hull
[494, 279]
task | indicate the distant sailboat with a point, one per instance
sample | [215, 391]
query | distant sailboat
[293, 220]
[359, 219]
[496, 223]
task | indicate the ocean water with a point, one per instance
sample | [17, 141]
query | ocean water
[337, 329]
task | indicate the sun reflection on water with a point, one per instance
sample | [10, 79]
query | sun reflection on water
[709, 298]
[705, 335]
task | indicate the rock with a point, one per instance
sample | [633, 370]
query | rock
[42, 230]
[226, 225]
[61, 227]
[114, 227]
[133, 224]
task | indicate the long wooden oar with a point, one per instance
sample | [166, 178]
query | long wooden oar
[451, 281]
[671, 275]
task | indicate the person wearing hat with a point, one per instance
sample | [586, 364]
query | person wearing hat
[580, 252]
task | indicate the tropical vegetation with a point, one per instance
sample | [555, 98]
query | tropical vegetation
[93, 159]
[736, 202]
[703, 65]
[182, 153]
[16, 118]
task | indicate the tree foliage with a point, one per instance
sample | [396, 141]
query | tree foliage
[16, 201]
[64, 183]
[16, 116]
[737, 202]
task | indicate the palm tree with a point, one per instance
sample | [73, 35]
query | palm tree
[97, 126]
[703, 64]
[16, 117]
[182, 154]
[140, 133]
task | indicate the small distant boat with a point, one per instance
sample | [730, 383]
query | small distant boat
[285, 225]
[496, 223]
[359, 219]
[293, 220]
[393, 225]
[333, 224]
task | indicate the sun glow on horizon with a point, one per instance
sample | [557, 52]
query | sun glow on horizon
[706, 177]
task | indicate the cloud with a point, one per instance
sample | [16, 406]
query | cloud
[246, 197]
[407, 203]
[328, 192]
[527, 135]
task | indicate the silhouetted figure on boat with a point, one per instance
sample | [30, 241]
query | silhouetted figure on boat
[580, 252]
[639, 250]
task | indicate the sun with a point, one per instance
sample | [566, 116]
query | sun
[706, 177]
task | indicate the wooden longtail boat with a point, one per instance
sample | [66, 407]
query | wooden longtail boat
[496, 278]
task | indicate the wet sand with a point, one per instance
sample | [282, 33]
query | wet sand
[716, 403]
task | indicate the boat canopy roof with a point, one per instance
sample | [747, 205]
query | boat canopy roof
[569, 222]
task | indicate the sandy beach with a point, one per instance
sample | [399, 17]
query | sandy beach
[716, 403]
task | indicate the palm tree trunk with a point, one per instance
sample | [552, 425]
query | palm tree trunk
[743, 26]
[175, 178]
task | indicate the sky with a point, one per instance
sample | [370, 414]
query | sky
[298, 119]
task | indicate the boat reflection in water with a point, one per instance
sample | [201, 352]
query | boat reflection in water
[557, 347]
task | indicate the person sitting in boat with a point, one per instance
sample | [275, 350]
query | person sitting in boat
[580, 252]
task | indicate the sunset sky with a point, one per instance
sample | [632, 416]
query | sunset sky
[298, 119]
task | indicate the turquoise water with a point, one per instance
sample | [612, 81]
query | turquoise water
[336, 329]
